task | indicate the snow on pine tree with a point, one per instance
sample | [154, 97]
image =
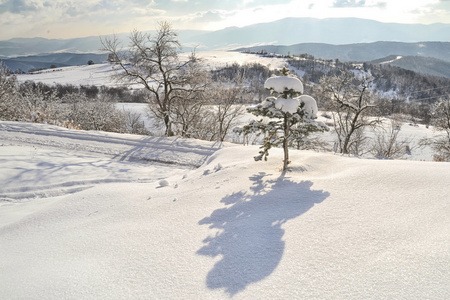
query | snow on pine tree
[291, 116]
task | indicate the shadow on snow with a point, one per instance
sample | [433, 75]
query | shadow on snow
[249, 230]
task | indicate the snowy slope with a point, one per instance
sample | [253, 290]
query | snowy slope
[332, 228]
[100, 74]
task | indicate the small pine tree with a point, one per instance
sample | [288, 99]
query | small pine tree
[291, 116]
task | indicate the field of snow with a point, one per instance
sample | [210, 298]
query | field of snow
[93, 215]
[100, 74]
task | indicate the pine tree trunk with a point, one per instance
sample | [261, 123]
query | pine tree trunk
[285, 143]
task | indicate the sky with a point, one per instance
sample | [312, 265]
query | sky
[80, 18]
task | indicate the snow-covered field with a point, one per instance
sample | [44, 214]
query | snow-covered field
[100, 74]
[95, 215]
[87, 215]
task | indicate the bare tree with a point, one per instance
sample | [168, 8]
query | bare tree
[189, 102]
[210, 110]
[440, 114]
[134, 123]
[228, 97]
[8, 94]
[387, 144]
[350, 102]
[153, 61]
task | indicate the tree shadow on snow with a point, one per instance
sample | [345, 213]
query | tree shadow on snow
[249, 230]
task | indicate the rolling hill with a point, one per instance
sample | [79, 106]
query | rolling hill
[361, 51]
[46, 61]
[419, 64]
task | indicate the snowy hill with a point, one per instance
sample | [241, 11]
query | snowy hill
[47, 61]
[100, 74]
[89, 215]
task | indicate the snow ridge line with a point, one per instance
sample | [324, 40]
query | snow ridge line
[54, 190]
[16, 197]
[173, 151]
[103, 137]
[62, 185]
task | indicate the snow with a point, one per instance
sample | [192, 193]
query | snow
[310, 106]
[95, 215]
[282, 83]
[98, 74]
[83, 216]
[393, 60]
[217, 59]
[287, 105]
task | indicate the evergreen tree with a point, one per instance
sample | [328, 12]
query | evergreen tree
[291, 116]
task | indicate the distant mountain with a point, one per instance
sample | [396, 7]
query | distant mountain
[289, 31]
[331, 31]
[35, 46]
[424, 65]
[361, 52]
[26, 63]
[347, 39]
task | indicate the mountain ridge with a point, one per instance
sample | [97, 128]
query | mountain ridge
[287, 31]
[360, 51]
[424, 65]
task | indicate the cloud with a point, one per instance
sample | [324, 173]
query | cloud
[356, 4]
[17, 6]
[348, 3]
[266, 2]
[433, 12]
[210, 16]
[444, 4]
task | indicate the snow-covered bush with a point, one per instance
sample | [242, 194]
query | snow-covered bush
[290, 116]
[38, 105]
[8, 95]
[89, 114]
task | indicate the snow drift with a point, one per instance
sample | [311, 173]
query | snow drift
[332, 227]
